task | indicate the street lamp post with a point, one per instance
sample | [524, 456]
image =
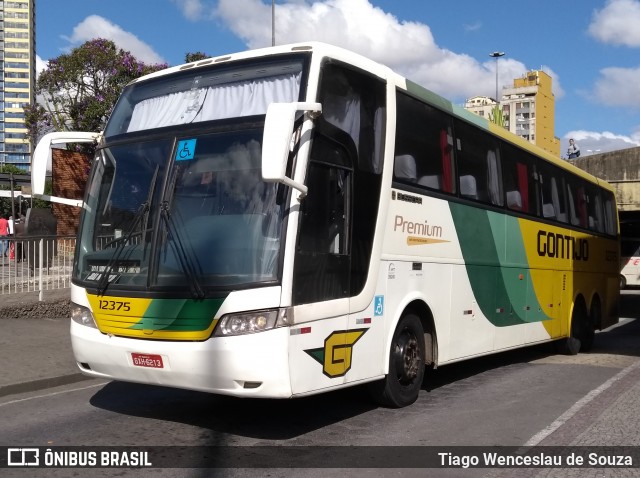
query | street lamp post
[273, 22]
[496, 55]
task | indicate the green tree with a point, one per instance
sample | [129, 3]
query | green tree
[5, 203]
[78, 90]
[195, 56]
[496, 116]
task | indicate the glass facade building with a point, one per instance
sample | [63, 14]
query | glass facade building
[17, 65]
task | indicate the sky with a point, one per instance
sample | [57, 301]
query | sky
[589, 47]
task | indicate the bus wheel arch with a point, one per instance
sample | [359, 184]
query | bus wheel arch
[425, 315]
[412, 347]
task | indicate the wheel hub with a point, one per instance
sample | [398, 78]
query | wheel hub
[407, 358]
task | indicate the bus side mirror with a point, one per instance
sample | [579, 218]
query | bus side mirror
[42, 154]
[42, 158]
[276, 141]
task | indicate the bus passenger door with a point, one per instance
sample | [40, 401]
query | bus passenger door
[337, 229]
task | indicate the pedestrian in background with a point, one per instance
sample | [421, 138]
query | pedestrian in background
[4, 232]
[574, 150]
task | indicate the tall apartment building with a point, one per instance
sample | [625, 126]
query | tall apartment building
[18, 69]
[529, 110]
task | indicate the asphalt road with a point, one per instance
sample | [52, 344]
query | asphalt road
[531, 396]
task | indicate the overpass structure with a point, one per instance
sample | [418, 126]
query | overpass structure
[622, 170]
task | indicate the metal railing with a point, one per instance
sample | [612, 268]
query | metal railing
[35, 263]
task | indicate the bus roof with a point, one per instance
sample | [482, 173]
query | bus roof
[341, 54]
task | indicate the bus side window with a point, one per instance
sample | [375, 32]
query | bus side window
[595, 212]
[558, 198]
[355, 103]
[573, 217]
[424, 151]
[478, 160]
[610, 215]
[520, 180]
[551, 192]
[577, 203]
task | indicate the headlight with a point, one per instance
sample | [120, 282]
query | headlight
[82, 316]
[251, 322]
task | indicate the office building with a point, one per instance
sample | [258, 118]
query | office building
[529, 110]
[17, 65]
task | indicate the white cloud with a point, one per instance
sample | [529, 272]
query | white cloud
[617, 23]
[619, 87]
[592, 142]
[40, 65]
[195, 10]
[407, 47]
[95, 26]
[558, 91]
[472, 27]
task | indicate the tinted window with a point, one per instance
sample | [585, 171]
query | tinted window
[424, 146]
[519, 178]
[478, 160]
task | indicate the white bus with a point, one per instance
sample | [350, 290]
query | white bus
[630, 263]
[297, 219]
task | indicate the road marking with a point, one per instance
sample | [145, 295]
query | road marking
[52, 394]
[584, 401]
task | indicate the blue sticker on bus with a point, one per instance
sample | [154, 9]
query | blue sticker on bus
[186, 149]
[378, 305]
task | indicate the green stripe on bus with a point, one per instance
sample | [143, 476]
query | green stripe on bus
[496, 264]
[185, 315]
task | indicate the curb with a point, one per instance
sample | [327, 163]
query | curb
[42, 384]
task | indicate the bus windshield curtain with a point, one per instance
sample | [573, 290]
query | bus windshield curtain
[523, 185]
[217, 102]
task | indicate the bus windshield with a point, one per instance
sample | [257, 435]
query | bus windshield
[176, 200]
[214, 223]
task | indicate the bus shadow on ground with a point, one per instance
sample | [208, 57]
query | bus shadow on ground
[278, 420]
[219, 416]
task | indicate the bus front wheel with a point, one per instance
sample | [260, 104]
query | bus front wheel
[402, 384]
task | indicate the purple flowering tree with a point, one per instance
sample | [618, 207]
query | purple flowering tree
[78, 90]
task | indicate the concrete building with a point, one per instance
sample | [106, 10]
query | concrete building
[17, 65]
[480, 105]
[529, 110]
[622, 170]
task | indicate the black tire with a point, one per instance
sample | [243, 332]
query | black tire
[402, 384]
[582, 333]
[594, 319]
[623, 282]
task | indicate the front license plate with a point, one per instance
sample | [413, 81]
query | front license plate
[147, 360]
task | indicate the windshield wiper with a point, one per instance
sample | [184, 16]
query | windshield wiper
[123, 241]
[179, 250]
[143, 212]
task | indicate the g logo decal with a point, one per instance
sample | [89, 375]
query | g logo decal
[335, 357]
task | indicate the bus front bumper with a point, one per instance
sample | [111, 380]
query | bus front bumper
[253, 365]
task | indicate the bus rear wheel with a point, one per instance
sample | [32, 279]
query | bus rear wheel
[402, 384]
[582, 332]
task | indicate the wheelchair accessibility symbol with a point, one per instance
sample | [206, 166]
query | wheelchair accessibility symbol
[378, 305]
[186, 149]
